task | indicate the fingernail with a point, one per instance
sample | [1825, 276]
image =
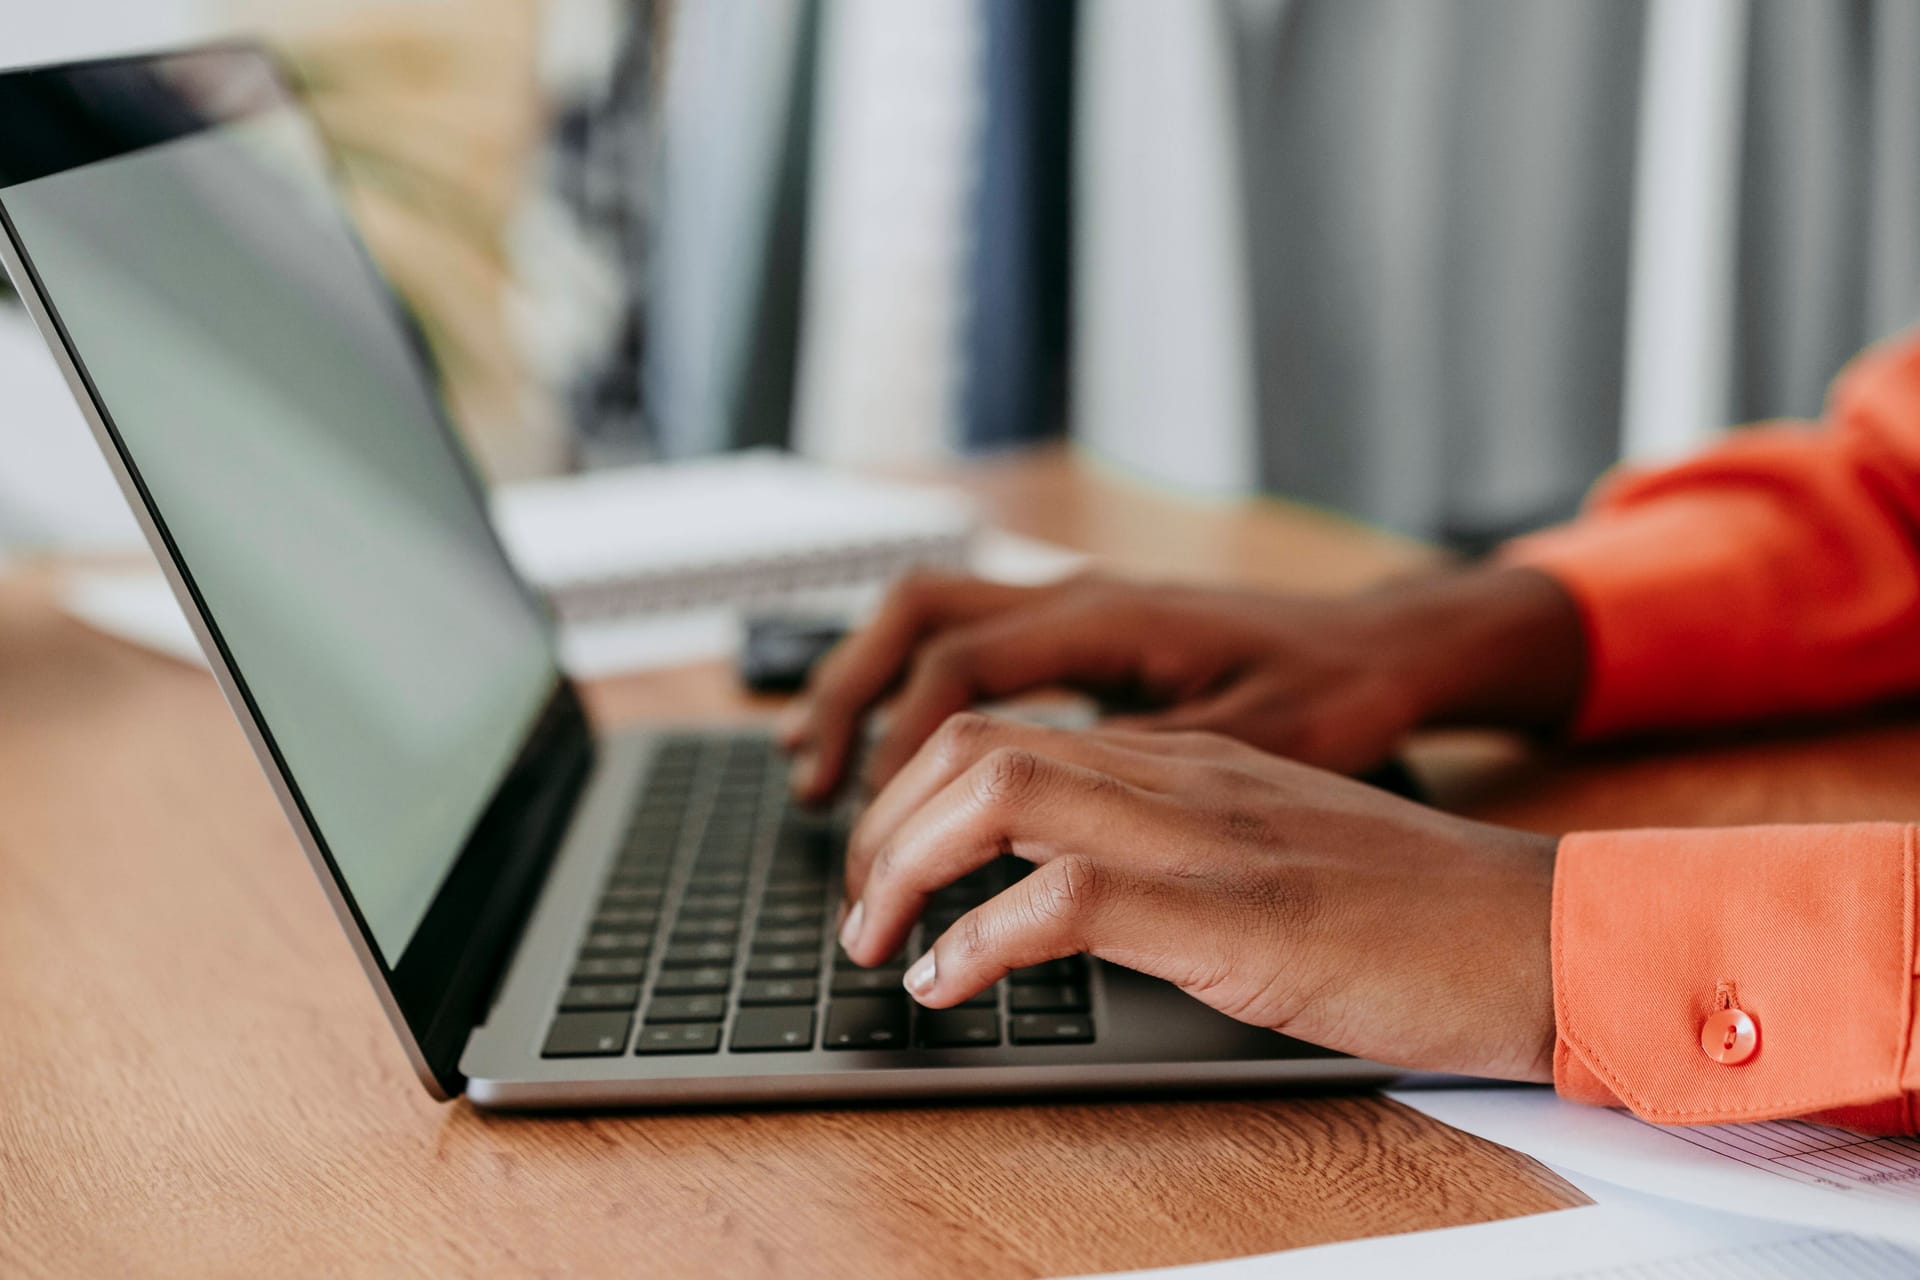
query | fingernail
[801, 776]
[840, 915]
[850, 928]
[919, 979]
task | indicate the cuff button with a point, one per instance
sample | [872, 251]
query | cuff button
[1730, 1037]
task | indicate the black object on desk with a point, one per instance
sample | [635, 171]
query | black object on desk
[782, 648]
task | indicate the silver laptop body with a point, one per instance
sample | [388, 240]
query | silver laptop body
[550, 918]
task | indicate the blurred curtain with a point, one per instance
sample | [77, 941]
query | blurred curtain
[1451, 228]
[1829, 193]
[1410, 260]
[1439, 204]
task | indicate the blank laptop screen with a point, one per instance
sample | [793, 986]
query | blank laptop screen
[270, 401]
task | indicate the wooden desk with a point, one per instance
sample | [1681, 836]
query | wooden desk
[195, 1080]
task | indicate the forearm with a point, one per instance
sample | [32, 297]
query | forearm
[1489, 645]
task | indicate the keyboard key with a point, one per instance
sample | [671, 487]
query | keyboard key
[699, 954]
[689, 1037]
[626, 918]
[780, 991]
[1048, 997]
[716, 927]
[608, 942]
[867, 1022]
[686, 1009]
[780, 914]
[689, 982]
[782, 964]
[867, 982]
[608, 969]
[767, 1030]
[709, 904]
[704, 881]
[1052, 1028]
[1068, 970]
[624, 996]
[988, 999]
[805, 894]
[587, 1035]
[787, 939]
[958, 1028]
[897, 960]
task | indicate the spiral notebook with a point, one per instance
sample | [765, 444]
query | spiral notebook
[643, 551]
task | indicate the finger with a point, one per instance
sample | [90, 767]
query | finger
[1347, 730]
[1252, 709]
[859, 670]
[1011, 800]
[1076, 639]
[1070, 906]
[961, 742]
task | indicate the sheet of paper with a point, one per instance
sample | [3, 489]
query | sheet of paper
[1622, 1236]
[1788, 1170]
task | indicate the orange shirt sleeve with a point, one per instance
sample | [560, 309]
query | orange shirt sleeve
[1776, 575]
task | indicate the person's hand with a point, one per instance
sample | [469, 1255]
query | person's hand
[1281, 895]
[1332, 682]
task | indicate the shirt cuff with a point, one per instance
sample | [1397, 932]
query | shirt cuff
[1810, 931]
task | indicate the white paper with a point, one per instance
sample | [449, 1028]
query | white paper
[604, 648]
[1789, 1169]
[760, 507]
[1622, 1236]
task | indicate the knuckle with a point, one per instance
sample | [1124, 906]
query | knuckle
[1068, 889]
[943, 659]
[960, 735]
[972, 937]
[881, 865]
[1008, 777]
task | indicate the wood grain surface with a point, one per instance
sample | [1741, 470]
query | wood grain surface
[194, 1079]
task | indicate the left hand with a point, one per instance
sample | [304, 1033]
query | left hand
[1278, 894]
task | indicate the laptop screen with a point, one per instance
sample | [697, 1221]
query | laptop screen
[269, 399]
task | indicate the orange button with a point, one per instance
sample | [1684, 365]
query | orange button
[1730, 1037]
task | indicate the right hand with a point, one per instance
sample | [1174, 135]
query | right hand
[1332, 682]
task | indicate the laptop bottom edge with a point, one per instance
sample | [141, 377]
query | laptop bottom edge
[853, 1085]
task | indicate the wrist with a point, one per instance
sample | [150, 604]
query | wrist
[1488, 646]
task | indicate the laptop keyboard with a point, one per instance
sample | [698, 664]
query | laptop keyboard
[713, 933]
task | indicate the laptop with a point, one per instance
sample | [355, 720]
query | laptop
[550, 917]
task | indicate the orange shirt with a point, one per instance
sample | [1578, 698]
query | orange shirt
[1778, 574]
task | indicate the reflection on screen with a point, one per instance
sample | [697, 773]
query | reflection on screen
[271, 406]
